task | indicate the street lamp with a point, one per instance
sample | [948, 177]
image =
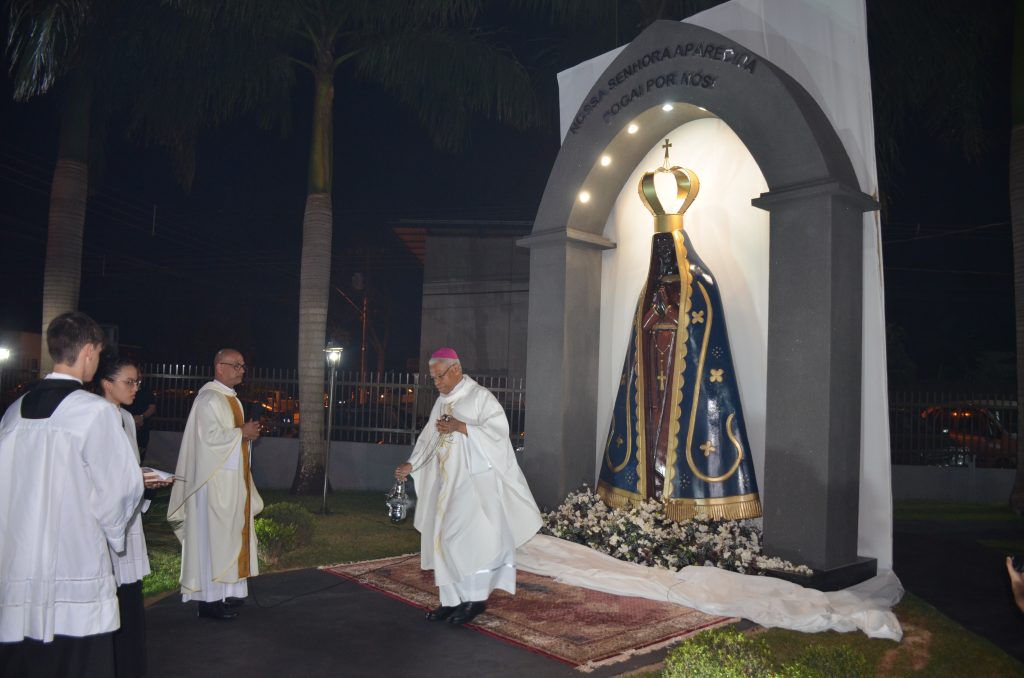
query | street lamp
[333, 354]
[5, 354]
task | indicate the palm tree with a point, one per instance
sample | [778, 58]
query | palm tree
[45, 43]
[431, 57]
[140, 58]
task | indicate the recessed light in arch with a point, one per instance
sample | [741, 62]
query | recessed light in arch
[633, 128]
[584, 197]
[606, 160]
[667, 107]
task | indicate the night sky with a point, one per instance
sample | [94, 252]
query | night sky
[220, 266]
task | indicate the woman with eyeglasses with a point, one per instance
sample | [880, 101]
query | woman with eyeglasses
[117, 380]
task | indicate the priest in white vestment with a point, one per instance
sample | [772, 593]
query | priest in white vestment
[474, 506]
[212, 508]
[69, 485]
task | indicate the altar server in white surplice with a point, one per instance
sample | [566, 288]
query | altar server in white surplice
[69, 485]
[474, 506]
[213, 506]
[117, 380]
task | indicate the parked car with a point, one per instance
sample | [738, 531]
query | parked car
[956, 431]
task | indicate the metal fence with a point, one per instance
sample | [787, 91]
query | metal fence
[940, 428]
[385, 407]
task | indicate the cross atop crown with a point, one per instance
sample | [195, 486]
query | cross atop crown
[687, 186]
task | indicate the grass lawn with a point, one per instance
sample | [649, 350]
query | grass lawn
[357, 528]
[933, 645]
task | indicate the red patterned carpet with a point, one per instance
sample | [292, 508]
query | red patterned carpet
[578, 626]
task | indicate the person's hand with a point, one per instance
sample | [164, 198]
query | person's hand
[403, 471]
[139, 419]
[152, 481]
[1016, 583]
[450, 424]
[250, 430]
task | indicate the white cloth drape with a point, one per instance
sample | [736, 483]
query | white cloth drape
[765, 600]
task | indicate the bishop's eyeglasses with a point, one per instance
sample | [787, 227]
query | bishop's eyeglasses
[441, 376]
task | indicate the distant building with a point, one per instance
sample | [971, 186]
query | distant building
[475, 291]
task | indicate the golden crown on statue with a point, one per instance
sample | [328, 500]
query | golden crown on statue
[687, 186]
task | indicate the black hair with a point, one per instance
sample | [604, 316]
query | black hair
[109, 366]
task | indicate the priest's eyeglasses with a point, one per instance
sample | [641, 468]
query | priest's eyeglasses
[238, 366]
[441, 376]
[131, 383]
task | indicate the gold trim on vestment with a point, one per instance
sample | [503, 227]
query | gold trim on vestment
[244, 553]
[640, 398]
[629, 435]
[678, 361]
[444, 445]
[696, 398]
[740, 507]
[617, 497]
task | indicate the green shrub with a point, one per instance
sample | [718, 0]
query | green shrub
[719, 653]
[287, 513]
[274, 539]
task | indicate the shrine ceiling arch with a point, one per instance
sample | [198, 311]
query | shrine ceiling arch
[701, 74]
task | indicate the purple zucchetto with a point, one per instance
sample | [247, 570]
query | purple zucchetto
[444, 354]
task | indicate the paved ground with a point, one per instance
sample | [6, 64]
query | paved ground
[310, 624]
[946, 564]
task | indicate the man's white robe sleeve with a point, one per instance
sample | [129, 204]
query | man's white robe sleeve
[116, 480]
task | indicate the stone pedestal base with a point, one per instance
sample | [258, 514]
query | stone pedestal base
[834, 579]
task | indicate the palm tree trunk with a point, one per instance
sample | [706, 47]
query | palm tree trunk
[313, 297]
[62, 274]
[314, 287]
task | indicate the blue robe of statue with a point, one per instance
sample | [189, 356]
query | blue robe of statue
[677, 433]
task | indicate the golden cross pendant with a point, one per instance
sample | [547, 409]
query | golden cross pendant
[661, 378]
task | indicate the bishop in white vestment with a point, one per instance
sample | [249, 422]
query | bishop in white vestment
[474, 505]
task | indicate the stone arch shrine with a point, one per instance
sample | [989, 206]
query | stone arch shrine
[684, 81]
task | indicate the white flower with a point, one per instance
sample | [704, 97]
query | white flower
[643, 533]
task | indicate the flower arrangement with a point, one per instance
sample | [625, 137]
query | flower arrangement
[643, 534]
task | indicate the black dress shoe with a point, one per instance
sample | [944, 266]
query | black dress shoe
[215, 610]
[466, 612]
[231, 601]
[439, 613]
